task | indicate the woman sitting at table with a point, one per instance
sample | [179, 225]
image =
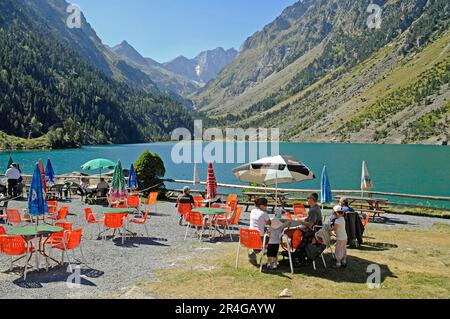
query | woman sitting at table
[259, 218]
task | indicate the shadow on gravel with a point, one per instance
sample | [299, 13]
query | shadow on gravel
[36, 280]
[391, 221]
[135, 242]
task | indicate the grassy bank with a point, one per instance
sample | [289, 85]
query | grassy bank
[13, 143]
[414, 264]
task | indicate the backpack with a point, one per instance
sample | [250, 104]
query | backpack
[314, 251]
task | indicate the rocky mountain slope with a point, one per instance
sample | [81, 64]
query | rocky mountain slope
[321, 74]
[204, 67]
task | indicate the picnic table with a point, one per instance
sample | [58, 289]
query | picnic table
[36, 232]
[280, 198]
[371, 205]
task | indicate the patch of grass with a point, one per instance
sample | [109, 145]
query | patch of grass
[414, 264]
[8, 142]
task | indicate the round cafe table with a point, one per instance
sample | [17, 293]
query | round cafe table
[39, 232]
[212, 214]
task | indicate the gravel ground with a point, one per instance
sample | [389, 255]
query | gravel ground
[114, 270]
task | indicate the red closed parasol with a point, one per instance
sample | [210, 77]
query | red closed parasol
[211, 183]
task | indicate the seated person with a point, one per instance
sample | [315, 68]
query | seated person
[185, 198]
[102, 188]
[345, 206]
[259, 218]
[314, 214]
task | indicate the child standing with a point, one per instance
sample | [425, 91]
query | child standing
[275, 230]
[341, 237]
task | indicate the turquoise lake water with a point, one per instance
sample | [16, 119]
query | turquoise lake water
[412, 169]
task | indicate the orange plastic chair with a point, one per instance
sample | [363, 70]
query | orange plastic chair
[198, 201]
[57, 238]
[52, 208]
[184, 209]
[114, 222]
[62, 214]
[2, 230]
[134, 201]
[300, 211]
[231, 198]
[14, 246]
[230, 220]
[91, 219]
[142, 221]
[71, 241]
[366, 221]
[13, 217]
[195, 219]
[153, 200]
[251, 239]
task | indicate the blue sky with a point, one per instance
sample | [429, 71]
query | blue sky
[165, 29]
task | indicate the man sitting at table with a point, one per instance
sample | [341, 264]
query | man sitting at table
[185, 198]
[102, 189]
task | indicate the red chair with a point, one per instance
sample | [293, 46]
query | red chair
[198, 201]
[52, 208]
[114, 222]
[142, 221]
[153, 200]
[133, 201]
[2, 230]
[71, 241]
[184, 209]
[251, 239]
[13, 217]
[61, 215]
[58, 238]
[14, 246]
[195, 219]
[91, 219]
[229, 220]
[300, 211]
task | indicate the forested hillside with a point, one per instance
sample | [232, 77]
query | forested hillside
[46, 88]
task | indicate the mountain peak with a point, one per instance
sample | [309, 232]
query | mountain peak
[129, 53]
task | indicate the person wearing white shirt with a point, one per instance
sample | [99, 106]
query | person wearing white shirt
[13, 175]
[258, 221]
[341, 237]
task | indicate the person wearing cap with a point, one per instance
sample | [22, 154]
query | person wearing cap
[276, 231]
[341, 237]
[13, 175]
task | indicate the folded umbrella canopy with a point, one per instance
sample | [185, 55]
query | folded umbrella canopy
[49, 172]
[10, 162]
[211, 183]
[41, 167]
[326, 197]
[132, 179]
[119, 183]
[366, 181]
[37, 205]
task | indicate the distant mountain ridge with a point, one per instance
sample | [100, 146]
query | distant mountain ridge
[164, 79]
[181, 74]
[205, 66]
